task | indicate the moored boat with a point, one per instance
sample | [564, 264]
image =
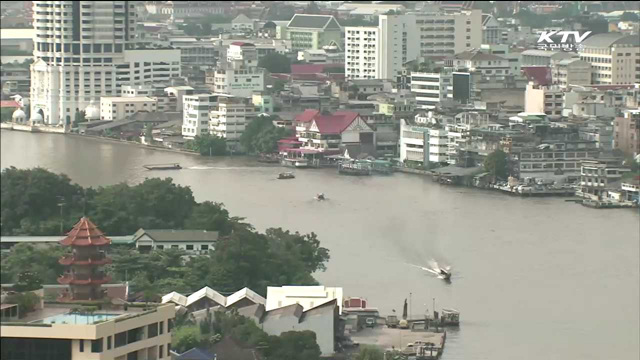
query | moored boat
[174, 166]
[299, 162]
[354, 170]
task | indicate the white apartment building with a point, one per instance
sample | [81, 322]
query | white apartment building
[542, 99]
[571, 72]
[85, 50]
[614, 58]
[445, 34]
[112, 335]
[431, 88]
[120, 108]
[380, 52]
[229, 118]
[423, 144]
[195, 114]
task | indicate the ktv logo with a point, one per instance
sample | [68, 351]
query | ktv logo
[546, 42]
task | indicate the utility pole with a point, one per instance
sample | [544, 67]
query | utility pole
[410, 306]
[61, 205]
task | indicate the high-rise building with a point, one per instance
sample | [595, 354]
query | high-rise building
[445, 34]
[380, 52]
[85, 50]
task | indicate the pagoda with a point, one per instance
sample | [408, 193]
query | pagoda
[84, 275]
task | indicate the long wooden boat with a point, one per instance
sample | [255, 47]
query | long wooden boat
[174, 166]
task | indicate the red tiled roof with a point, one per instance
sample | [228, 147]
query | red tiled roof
[307, 115]
[539, 74]
[307, 68]
[336, 123]
[9, 104]
[85, 233]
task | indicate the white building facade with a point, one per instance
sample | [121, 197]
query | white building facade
[85, 50]
[445, 34]
[195, 115]
[229, 118]
[120, 108]
[380, 52]
[431, 88]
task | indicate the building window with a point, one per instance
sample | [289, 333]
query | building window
[96, 346]
[161, 351]
[175, 247]
[161, 328]
[108, 342]
[204, 247]
[81, 345]
[152, 330]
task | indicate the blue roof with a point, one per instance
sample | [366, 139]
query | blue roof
[196, 354]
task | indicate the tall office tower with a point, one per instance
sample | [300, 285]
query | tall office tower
[84, 50]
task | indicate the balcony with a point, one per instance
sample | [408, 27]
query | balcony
[99, 259]
[84, 279]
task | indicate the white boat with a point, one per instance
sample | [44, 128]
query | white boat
[299, 163]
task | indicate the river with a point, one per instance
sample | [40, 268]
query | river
[533, 278]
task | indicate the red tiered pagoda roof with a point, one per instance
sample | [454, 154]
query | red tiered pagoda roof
[85, 233]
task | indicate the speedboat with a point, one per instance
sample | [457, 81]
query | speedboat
[320, 197]
[445, 274]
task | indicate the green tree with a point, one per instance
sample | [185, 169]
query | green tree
[370, 352]
[278, 86]
[293, 345]
[26, 302]
[31, 196]
[79, 117]
[497, 164]
[153, 204]
[275, 63]
[208, 145]
[210, 216]
[28, 281]
[185, 338]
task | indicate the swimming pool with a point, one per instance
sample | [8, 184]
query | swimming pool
[76, 319]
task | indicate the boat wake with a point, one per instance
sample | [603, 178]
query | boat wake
[441, 272]
[219, 168]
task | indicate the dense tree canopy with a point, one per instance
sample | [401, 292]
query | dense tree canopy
[293, 345]
[275, 63]
[207, 145]
[497, 164]
[261, 136]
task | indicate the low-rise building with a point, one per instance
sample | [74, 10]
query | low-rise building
[311, 32]
[306, 296]
[239, 75]
[488, 65]
[192, 241]
[556, 157]
[207, 297]
[121, 108]
[431, 88]
[571, 71]
[599, 176]
[544, 99]
[242, 23]
[342, 130]
[543, 57]
[422, 144]
[59, 333]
